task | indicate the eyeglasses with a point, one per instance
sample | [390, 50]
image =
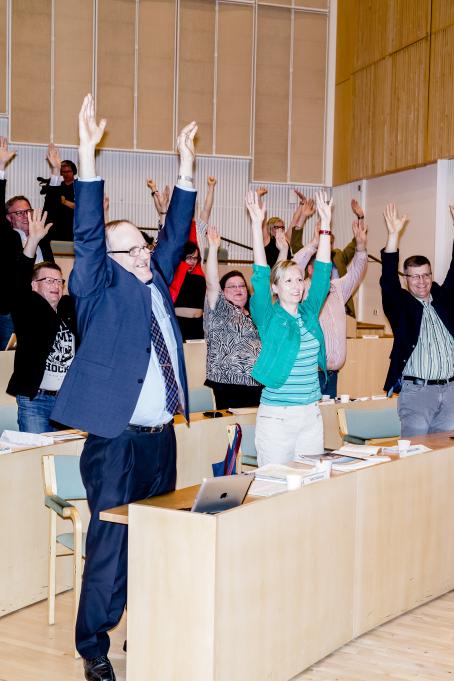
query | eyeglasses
[134, 251]
[21, 213]
[419, 277]
[50, 280]
[192, 257]
[236, 286]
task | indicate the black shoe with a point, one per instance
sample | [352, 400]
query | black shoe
[125, 646]
[98, 669]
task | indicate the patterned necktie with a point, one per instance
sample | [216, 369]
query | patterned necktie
[162, 353]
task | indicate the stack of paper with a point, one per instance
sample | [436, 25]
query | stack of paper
[15, 437]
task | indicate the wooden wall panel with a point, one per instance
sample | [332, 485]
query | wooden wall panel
[370, 119]
[346, 37]
[234, 80]
[3, 55]
[440, 142]
[408, 116]
[316, 4]
[156, 75]
[442, 14]
[196, 69]
[115, 71]
[370, 32]
[408, 22]
[342, 132]
[30, 70]
[73, 65]
[272, 94]
[308, 98]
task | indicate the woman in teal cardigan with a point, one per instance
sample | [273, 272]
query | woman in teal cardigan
[289, 423]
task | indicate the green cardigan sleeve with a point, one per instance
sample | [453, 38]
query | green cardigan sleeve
[261, 304]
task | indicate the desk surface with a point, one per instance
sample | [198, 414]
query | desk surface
[183, 498]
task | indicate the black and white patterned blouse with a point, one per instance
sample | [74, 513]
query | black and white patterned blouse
[233, 343]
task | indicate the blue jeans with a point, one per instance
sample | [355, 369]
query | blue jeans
[328, 386]
[33, 415]
[425, 408]
[6, 329]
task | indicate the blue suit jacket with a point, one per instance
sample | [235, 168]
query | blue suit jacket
[113, 307]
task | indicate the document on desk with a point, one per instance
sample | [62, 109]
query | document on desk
[411, 451]
[272, 479]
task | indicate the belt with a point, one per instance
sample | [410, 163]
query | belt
[423, 381]
[52, 393]
[149, 429]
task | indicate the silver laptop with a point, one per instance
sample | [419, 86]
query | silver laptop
[221, 493]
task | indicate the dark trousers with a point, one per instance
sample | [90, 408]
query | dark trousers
[328, 386]
[116, 471]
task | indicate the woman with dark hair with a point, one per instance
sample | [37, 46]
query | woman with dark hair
[233, 343]
[188, 293]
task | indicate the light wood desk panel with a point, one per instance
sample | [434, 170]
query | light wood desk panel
[25, 528]
[264, 590]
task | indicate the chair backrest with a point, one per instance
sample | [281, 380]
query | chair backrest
[201, 399]
[62, 476]
[368, 424]
[8, 417]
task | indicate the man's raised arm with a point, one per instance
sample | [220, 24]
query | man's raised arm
[90, 263]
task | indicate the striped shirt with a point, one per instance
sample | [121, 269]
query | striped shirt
[433, 356]
[302, 386]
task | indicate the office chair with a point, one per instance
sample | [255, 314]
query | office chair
[62, 482]
[369, 426]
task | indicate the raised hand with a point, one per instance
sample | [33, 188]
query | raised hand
[151, 184]
[162, 200]
[356, 208]
[394, 223]
[281, 242]
[256, 208]
[5, 154]
[90, 132]
[54, 159]
[300, 195]
[324, 207]
[185, 142]
[360, 234]
[37, 228]
[213, 237]
[211, 181]
[308, 207]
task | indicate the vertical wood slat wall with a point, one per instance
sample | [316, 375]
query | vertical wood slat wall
[395, 85]
[156, 64]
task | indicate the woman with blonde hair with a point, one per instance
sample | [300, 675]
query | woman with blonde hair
[289, 423]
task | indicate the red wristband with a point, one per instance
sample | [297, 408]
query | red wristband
[325, 231]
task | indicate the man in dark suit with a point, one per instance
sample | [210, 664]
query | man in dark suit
[13, 235]
[422, 320]
[127, 380]
[45, 326]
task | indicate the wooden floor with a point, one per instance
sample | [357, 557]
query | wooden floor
[416, 646]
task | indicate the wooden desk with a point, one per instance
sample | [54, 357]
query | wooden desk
[265, 590]
[25, 528]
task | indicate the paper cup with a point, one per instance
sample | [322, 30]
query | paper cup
[403, 446]
[294, 481]
[345, 398]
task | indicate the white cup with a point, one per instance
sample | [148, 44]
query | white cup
[325, 398]
[322, 466]
[294, 481]
[345, 398]
[403, 446]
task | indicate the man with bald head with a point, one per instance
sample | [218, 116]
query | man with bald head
[127, 380]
